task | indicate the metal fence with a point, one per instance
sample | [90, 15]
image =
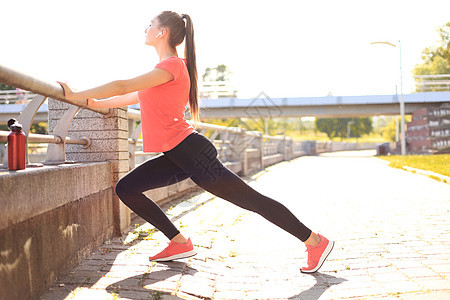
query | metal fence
[432, 83]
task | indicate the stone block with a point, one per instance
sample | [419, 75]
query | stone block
[96, 124]
[99, 134]
[109, 145]
[95, 156]
[116, 176]
[44, 189]
[56, 104]
[38, 249]
[119, 165]
[56, 114]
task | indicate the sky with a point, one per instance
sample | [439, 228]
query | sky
[282, 48]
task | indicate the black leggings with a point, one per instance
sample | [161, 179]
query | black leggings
[196, 158]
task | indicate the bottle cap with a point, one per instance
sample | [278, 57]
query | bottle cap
[14, 125]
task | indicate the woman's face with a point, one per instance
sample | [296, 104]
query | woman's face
[152, 33]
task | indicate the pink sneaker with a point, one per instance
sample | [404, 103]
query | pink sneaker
[317, 254]
[175, 251]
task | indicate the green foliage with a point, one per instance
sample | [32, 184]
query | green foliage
[337, 127]
[436, 60]
[5, 87]
[41, 127]
[219, 73]
[389, 131]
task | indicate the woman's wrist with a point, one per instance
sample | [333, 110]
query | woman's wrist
[91, 102]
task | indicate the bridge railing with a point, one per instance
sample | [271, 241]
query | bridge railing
[432, 83]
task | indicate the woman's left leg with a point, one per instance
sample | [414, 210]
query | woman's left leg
[197, 157]
[154, 173]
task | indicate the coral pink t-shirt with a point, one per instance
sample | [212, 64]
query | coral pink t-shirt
[163, 106]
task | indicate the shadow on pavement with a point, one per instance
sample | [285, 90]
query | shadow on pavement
[323, 282]
[139, 282]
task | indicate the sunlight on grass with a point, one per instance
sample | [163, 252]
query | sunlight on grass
[439, 163]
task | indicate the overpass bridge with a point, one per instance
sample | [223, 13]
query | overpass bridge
[329, 106]
[264, 106]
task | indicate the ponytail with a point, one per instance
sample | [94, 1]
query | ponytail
[180, 31]
[191, 62]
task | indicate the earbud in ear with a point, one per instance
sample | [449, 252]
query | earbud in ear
[158, 35]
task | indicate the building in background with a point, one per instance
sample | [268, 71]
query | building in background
[429, 130]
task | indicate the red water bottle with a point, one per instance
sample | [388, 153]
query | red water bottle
[16, 146]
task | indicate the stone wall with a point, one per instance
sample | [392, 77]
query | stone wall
[109, 142]
[47, 225]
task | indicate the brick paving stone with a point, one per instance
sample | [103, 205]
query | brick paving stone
[434, 283]
[389, 277]
[400, 287]
[389, 227]
[197, 287]
[232, 294]
[443, 269]
[160, 285]
[419, 272]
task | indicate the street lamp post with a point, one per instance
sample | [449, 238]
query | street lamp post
[402, 102]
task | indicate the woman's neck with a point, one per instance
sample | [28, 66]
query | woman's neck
[164, 52]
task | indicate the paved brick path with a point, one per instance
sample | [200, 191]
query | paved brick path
[391, 229]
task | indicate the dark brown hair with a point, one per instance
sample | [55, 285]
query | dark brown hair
[178, 31]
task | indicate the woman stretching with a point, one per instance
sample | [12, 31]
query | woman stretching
[163, 94]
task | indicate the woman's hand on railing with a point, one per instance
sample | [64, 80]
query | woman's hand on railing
[68, 93]
[71, 95]
[92, 102]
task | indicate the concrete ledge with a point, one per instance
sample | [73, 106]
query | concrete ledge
[34, 191]
[36, 251]
[272, 159]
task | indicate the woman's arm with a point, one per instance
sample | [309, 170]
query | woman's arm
[117, 101]
[121, 87]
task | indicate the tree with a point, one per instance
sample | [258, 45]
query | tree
[436, 60]
[337, 127]
[219, 73]
[216, 83]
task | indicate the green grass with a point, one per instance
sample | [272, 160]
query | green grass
[439, 163]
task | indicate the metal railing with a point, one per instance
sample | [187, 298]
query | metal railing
[56, 150]
[235, 145]
[245, 150]
[432, 83]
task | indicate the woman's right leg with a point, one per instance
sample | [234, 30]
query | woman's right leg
[154, 173]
